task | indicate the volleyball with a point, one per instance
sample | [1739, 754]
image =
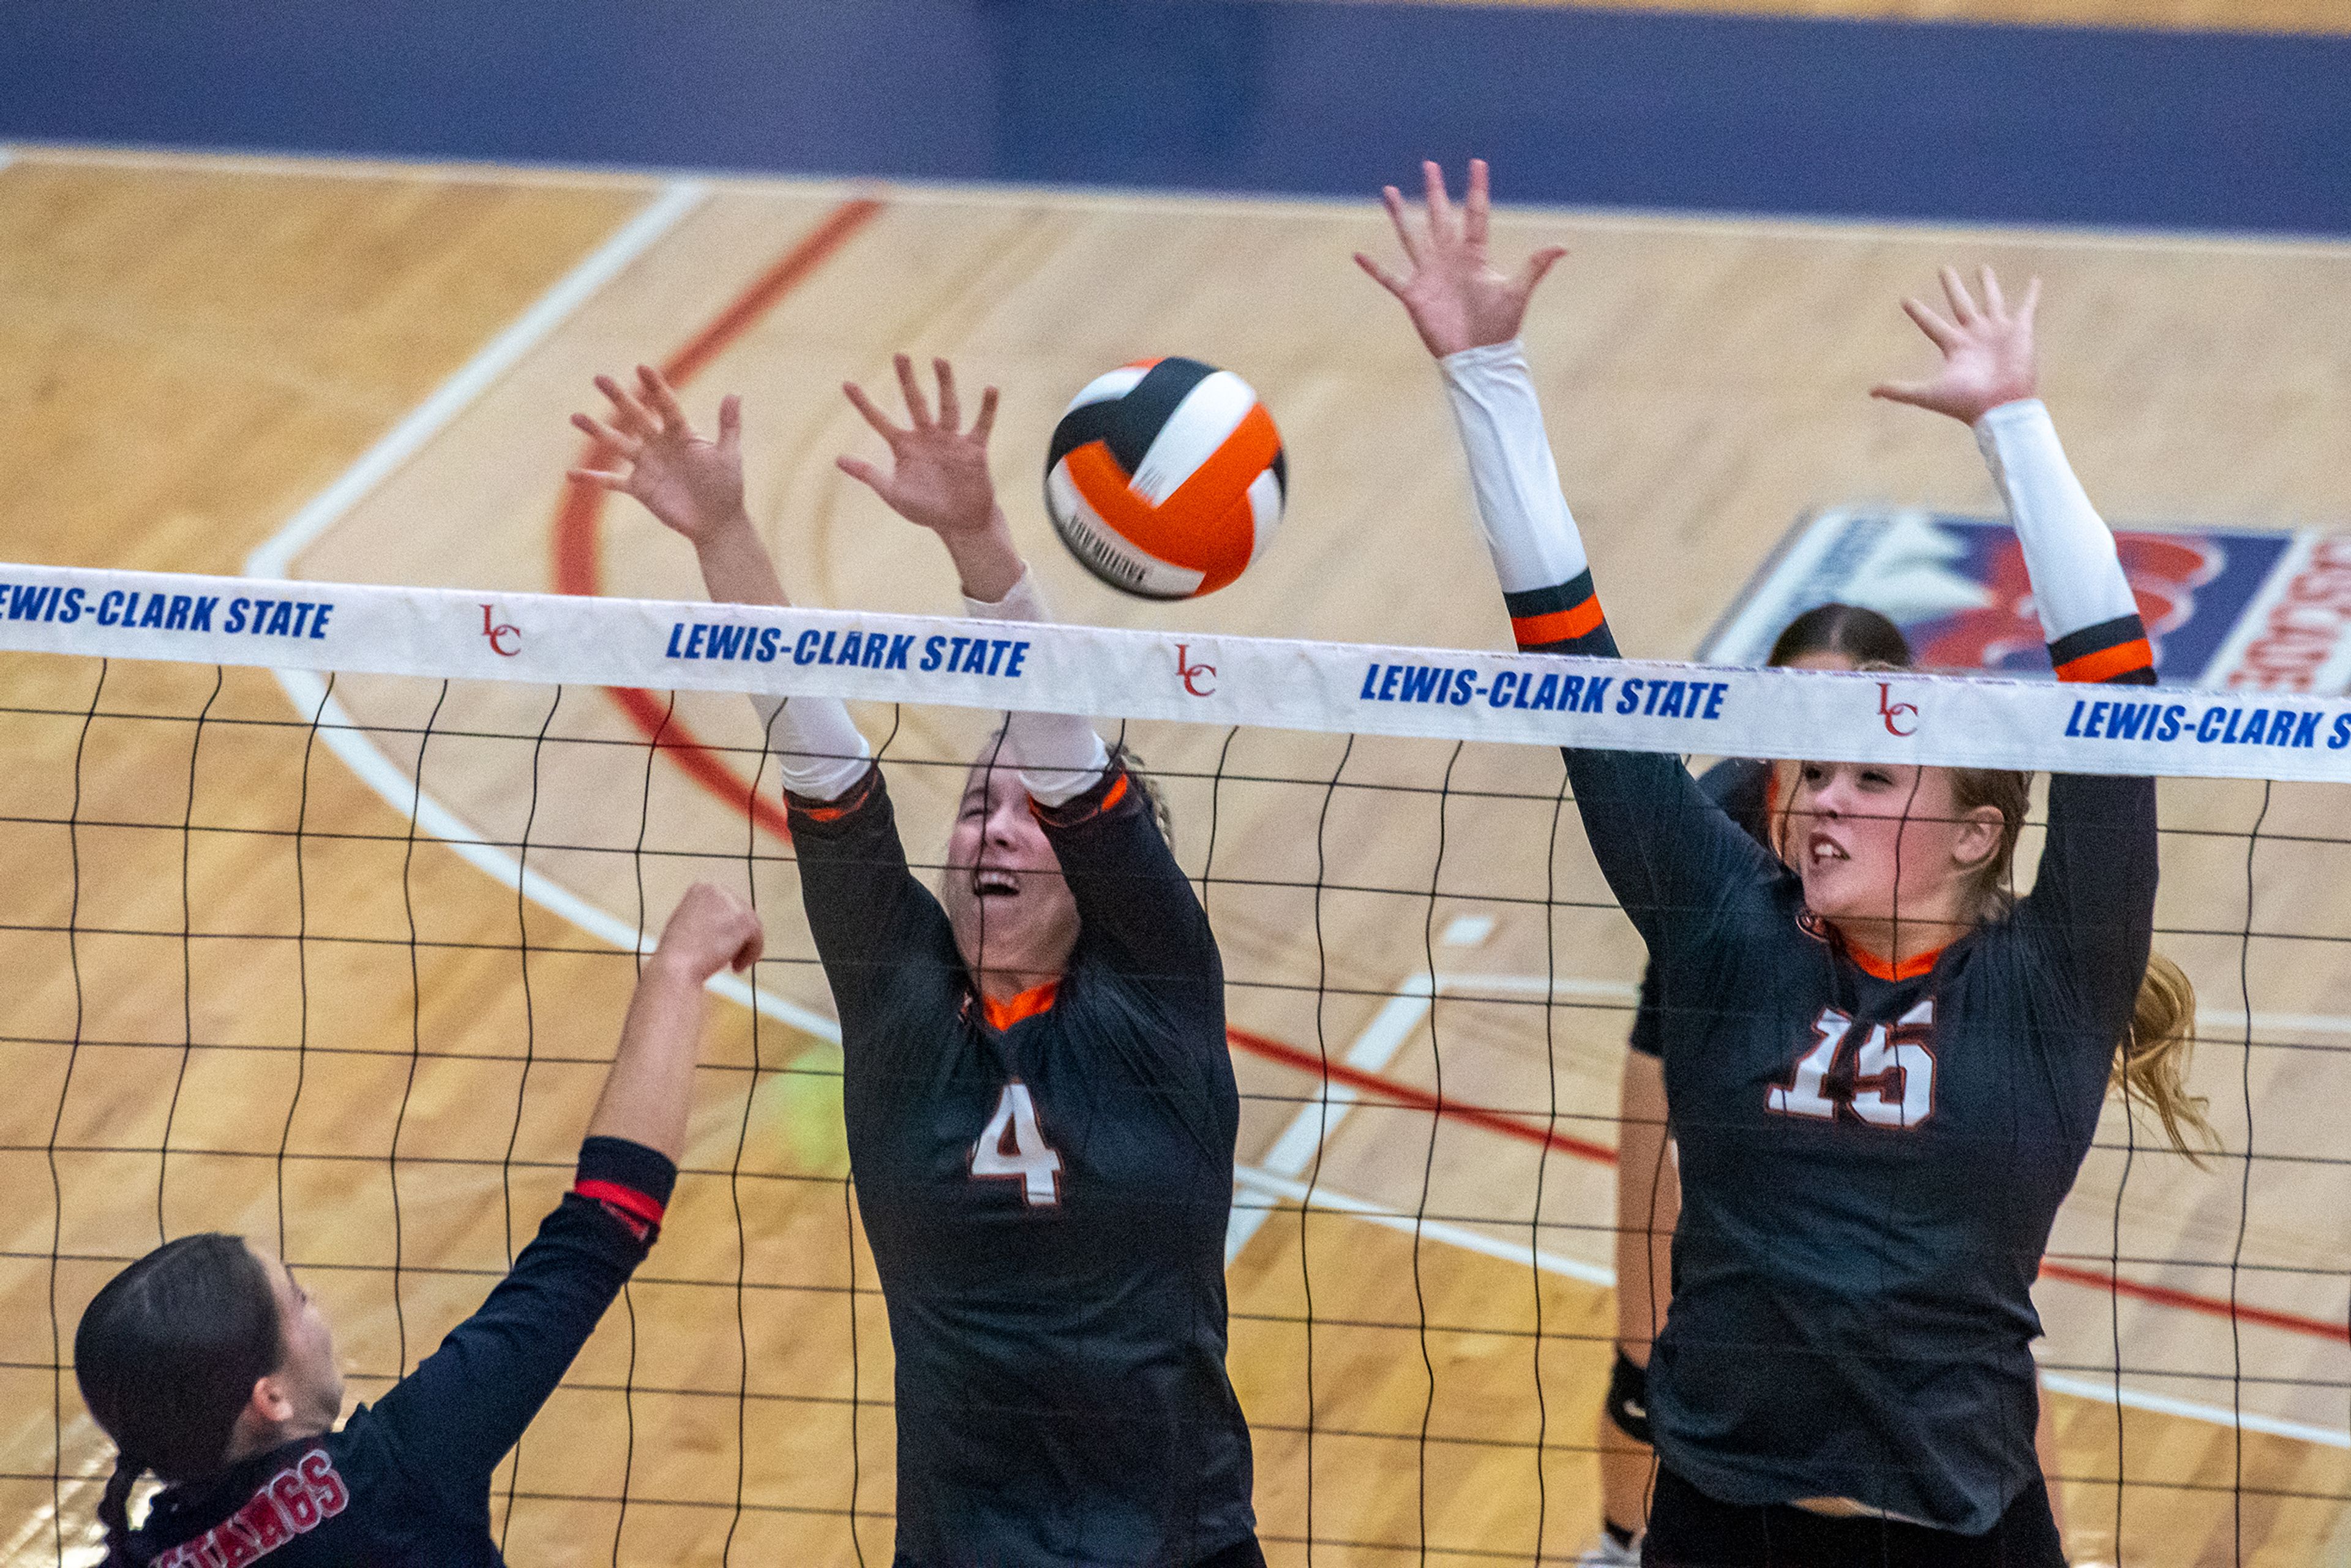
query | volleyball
[1165, 477]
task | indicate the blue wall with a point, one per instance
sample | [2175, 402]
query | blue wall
[1965, 122]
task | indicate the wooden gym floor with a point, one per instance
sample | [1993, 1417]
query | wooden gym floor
[203, 350]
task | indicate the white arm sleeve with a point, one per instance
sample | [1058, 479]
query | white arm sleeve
[1060, 755]
[821, 750]
[2069, 553]
[1529, 530]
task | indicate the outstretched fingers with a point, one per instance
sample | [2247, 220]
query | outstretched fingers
[628, 413]
[1941, 333]
[605, 436]
[865, 473]
[1477, 205]
[730, 424]
[1381, 275]
[918, 410]
[1915, 393]
[1440, 205]
[1537, 265]
[1995, 304]
[1963, 307]
[1394, 200]
[950, 407]
[663, 401]
[985, 422]
[881, 422]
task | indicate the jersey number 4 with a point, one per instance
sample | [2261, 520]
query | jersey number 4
[1012, 1147]
[1890, 1081]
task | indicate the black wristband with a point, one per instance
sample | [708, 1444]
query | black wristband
[627, 1164]
[1629, 1397]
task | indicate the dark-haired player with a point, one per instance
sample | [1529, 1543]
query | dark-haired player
[1884, 1069]
[1041, 1102]
[208, 1363]
[1648, 1189]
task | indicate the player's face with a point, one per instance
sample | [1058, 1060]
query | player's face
[1784, 772]
[1003, 888]
[1877, 843]
[308, 1379]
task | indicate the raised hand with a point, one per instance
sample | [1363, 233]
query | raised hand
[711, 930]
[692, 484]
[1988, 353]
[1456, 296]
[938, 473]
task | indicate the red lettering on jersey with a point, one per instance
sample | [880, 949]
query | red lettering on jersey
[268, 1525]
[319, 1470]
[295, 1499]
[233, 1542]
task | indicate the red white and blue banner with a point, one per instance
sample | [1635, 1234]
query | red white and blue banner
[1272, 683]
[2244, 610]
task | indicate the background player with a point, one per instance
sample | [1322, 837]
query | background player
[1040, 1104]
[1880, 1116]
[207, 1363]
[1649, 1189]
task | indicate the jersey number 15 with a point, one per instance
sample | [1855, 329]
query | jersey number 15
[1890, 1081]
[1012, 1147]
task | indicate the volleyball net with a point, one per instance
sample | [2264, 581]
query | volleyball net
[322, 903]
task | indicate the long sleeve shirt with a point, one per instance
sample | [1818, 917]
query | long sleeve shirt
[1871, 1156]
[1046, 1185]
[406, 1482]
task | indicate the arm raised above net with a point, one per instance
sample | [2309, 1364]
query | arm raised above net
[695, 486]
[2095, 889]
[1668, 852]
[456, 1416]
[938, 480]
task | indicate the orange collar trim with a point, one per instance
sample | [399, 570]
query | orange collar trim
[1003, 1014]
[1910, 968]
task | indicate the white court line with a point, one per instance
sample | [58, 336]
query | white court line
[1371, 1051]
[1293, 1151]
[1394, 1023]
[1330, 1200]
[336, 728]
[2164, 1404]
[84, 1546]
[501, 354]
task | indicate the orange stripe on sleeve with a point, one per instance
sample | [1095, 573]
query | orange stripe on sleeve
[2108, 663]
[1559, 626]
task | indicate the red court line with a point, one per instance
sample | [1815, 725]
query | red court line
[2188, 1301]
[1391, 1092]
[579, 570]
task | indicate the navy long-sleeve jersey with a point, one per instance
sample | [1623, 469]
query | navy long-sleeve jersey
[1046, 1188]
[1871, 1158]
[1740, 787]
[406, 1482]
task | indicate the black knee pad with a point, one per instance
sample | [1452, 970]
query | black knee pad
[1629, 1397]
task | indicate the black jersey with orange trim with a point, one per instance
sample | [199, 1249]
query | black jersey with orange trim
[1871, 1159]
[1046, 1185]
[1740, 787]
[406, 1482]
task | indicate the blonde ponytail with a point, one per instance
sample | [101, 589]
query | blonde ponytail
[2151, 1059]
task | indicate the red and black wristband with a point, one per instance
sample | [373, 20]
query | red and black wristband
[630, 1181]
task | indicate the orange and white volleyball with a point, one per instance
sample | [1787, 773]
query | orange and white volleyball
[1166, 478]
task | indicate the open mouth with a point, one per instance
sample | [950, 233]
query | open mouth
[994, 884]
[1824, 850]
